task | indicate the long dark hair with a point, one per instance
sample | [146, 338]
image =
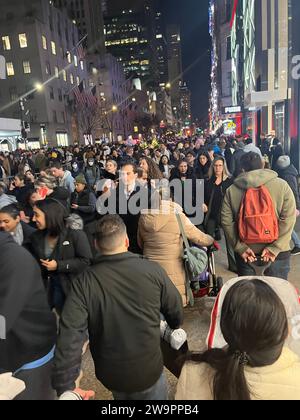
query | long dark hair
[55, 215]
[161, 165]
[153, 169]
[255, 326]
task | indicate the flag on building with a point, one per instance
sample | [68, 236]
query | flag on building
[91, 97]
[79, 94]
[234, 10]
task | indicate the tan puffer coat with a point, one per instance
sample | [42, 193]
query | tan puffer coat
[159, 237]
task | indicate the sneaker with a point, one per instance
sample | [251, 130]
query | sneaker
[295, 251]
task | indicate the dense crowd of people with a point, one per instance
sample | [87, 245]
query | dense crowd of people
[111, 274]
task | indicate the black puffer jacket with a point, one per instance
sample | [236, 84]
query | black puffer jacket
[72, 253]
[30, 325]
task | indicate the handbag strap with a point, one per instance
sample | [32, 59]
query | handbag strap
[186, 242]
[188, 279]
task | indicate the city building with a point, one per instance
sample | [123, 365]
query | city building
[263, 39]
[174, 62]
[88, 17]
[294, 80]
[44, 66]
[185, 103]
[130, 37]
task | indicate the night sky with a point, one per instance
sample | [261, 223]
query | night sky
[192, 15]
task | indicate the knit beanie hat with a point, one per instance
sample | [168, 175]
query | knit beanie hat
[80, 179]
[283, 162]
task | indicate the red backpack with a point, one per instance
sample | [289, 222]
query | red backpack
[258, 223]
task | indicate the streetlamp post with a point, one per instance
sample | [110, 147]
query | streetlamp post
[114, 109]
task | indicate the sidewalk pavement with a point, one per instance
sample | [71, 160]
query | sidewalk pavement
[196, 324]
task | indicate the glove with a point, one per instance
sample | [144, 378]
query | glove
[10, 387]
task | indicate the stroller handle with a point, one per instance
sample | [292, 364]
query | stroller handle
[214, 247]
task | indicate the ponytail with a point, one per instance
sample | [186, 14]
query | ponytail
[229, 380]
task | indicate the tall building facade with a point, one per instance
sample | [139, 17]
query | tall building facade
[264, 68]
[260, 50]
[130, 37]
[43, 67]
[174, 62]
[88, 17]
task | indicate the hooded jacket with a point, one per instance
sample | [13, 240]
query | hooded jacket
[159, 237]
[67, 182]
[284, 205]
[290, 175]
[30, 324]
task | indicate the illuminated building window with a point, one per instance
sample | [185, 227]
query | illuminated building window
[53, 47]
[10, 69]
[23, 40]
[6, 43]
[69, 58]
[44, 42]
[26, 67]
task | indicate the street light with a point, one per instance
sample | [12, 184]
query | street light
[114, 110]
[39, 87]
[168, 85]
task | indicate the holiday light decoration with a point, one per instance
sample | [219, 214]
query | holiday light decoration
[214, 97]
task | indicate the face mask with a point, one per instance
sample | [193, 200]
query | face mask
[75, 166]
[91, 163]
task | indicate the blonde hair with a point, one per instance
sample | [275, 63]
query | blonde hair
[226, 173]
[48, 181]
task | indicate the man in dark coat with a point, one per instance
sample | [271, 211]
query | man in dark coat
[120, 300]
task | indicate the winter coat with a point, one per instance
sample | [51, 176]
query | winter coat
[67, 182]
[276, 152]
[130, 219]
[92, 175]
[159, 237]
[280, 381]
[290, 175]
[86, 200]
[30, 325]
[120, 300]
[72, 254]
[235, 167]
[213, 198]
[284, 205]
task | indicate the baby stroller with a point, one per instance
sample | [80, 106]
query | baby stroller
[208, 283]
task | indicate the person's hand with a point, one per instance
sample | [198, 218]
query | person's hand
[249, 256]
[297, 213]
[85, 395]
[24, 218]
[205, 208]
[268, 256]
[49, 265]
[74, 206]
